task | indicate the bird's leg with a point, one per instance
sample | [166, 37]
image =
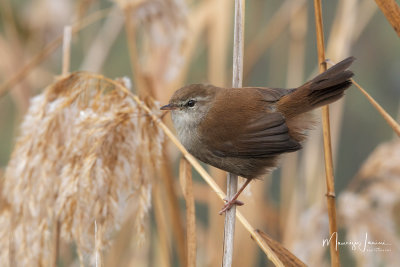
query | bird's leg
[228, 205]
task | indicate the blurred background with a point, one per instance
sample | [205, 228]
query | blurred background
[162, 45]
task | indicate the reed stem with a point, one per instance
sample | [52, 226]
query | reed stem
[330, 184]
[391, 10]
[389, 119]
[232, 179]
[66, 55]
[185, 176]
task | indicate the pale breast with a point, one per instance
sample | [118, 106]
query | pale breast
[186, 128]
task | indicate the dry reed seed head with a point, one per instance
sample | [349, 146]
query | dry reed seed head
[165, 31]
[5, 220]
[370, 206]
[86, 153]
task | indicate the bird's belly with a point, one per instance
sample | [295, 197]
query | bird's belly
[244, 167]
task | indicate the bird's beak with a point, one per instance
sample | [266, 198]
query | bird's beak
[169, 107]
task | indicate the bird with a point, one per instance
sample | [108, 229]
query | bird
[244, 130]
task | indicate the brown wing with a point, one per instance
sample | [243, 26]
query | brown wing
[264, 137]
[249, 127]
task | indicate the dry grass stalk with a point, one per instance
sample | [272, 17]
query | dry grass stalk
[349, 18]
[74, 163]
[327, 138]
[48, 50]
[346, 21]
[341, 39]
[339, 45]
[163, 242]
[232, 179]
[311, 165]
[391, 10]
[286, 257]
[392, 123]
[185, 177]
[66, 60]
[370, 206]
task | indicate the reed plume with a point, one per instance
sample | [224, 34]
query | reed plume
[85, 156]
[369, 208]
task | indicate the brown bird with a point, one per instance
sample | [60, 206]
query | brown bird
[244, 130]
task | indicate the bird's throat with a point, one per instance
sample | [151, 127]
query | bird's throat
[186, 127]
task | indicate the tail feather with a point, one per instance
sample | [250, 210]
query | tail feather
[328, 95]
[324, 80]
[333, 75]
[324, 89]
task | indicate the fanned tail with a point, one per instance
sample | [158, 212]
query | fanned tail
[324, 89]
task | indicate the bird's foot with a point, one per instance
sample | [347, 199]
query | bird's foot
[229, 204]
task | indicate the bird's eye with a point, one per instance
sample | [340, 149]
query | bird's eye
[191, 103]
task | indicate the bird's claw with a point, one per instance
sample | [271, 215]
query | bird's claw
[229, 204]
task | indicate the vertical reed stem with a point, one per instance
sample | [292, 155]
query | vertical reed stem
[230, 218]
[185, 176]
[164, 258]
[232, 182]
[66, 50]
[330, 184]
[66, 59]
